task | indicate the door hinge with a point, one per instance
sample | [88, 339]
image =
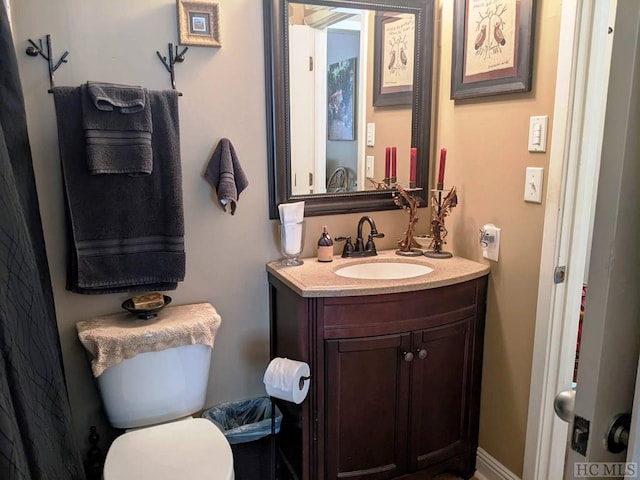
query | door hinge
[559, 274]
[311, 64]
[310, 179]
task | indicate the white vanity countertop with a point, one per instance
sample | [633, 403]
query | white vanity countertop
[316, 279]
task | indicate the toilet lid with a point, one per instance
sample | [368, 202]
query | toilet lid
[192, 449]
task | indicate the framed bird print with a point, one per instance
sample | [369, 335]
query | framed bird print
[393, 59]
[492, 47]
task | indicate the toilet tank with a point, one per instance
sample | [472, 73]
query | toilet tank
[156, 387]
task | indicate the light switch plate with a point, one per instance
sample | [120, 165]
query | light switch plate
[371, 134]
[538, 133]
[533, 184]
[370, 160]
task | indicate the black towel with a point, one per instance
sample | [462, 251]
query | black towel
[125, 232]
[117, 128]
[111, 96]
[225, 174]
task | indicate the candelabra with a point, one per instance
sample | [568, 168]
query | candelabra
[405, 199]
[440, 208]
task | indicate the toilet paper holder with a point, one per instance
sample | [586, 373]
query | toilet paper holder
[302, 380]
[285, 379]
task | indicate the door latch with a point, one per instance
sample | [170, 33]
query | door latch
[559, 274]
[580, 435]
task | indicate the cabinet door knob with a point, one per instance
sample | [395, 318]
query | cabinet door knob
[422, 353]
[408, 356]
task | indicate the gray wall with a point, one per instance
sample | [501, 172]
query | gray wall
[223, 89]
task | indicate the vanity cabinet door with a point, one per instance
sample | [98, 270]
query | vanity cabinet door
[367, 410]
[439, 397]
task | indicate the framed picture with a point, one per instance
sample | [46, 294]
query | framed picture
[199, 23]
[393, 59]
[492, 47]
[341, 90]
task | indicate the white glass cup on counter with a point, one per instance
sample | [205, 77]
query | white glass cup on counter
[292, 243]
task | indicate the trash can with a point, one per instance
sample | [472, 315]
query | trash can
[247, 425]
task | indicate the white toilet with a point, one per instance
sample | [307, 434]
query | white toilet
[153, 395]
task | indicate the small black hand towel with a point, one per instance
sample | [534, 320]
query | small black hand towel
[110, 97]
[117, 129]
[225, 174]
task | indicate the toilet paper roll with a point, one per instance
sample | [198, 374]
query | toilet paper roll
[285, 379]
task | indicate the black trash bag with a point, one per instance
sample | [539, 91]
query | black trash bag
[244, 421]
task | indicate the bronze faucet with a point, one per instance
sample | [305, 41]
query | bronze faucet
[360, 249]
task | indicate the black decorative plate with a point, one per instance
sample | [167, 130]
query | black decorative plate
[145, 313]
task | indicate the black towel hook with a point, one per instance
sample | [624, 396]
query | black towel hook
[173, 59]
[34, 50]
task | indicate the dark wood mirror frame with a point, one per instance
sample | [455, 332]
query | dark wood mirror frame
[278, 119]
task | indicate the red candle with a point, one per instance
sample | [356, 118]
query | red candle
[443, 160]
[413, 166]
[393, 162]
[387, 162]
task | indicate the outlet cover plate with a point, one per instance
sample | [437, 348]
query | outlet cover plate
[492, 249]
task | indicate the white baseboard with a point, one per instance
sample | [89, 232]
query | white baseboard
[488, 468]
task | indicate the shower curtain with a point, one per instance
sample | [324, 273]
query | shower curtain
[36, 438]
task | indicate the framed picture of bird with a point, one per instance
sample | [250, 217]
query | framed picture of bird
[492, 47]
[393, 58]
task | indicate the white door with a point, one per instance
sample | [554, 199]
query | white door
[611, 332]
[596, 133]
[302, 108]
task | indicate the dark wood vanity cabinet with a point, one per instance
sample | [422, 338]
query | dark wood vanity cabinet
[395, 386]
[367, 387]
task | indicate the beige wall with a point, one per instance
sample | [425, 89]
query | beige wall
[224, 97]
[486, 140]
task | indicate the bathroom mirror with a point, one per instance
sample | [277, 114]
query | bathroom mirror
[345, 80]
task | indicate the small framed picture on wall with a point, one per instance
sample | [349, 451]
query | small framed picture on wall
[199, 23]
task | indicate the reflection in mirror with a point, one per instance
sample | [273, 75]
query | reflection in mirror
[331, 51]
[346, 85]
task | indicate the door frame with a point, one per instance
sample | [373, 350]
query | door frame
[361, 115]
[320, 146]
[580, 102]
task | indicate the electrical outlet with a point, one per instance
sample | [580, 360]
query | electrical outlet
[490, 241]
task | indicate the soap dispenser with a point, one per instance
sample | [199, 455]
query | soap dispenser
[325, 246]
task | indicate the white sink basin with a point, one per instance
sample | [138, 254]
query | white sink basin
[383, 270]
